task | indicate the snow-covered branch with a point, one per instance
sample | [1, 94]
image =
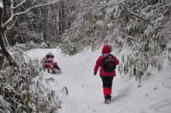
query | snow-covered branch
[8, 21]
[9, 27]
[19, 4]
[12, 14]
[36, 6]
[25, 11]
[139, 17]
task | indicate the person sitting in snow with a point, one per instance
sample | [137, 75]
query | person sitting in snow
[49, 64]
[107, 64]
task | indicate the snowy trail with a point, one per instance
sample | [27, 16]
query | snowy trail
[85, 93]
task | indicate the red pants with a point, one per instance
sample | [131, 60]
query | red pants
[107, 86]
[50, 66]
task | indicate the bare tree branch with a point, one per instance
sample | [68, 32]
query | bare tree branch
[9, 27]
[12, 15]
[36, 6]
[5, 39]
[8, 21]
[24, 12]
[1, 13]
[19, 4]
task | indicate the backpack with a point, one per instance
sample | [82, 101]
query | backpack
[109, 63]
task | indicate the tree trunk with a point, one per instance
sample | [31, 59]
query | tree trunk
[4, 50]
[6, 11]
[61, 17]
[45, 23]
[2, 43]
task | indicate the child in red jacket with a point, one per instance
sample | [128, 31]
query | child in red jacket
[49, 64]
[107, 64]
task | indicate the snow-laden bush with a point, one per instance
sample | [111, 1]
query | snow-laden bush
[16, 92]
[46, 99]
[146, 54]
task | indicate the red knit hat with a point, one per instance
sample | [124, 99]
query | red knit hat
[106, 49]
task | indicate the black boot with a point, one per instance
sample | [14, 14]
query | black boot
[107, 99]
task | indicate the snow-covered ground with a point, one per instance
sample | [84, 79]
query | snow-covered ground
[85, 92]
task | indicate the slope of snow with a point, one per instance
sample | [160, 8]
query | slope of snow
[85, 93]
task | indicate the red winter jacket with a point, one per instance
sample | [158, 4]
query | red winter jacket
[49, 63]
[105, 51]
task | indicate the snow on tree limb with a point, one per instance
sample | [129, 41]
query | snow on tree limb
[36, 6]
[25, 11]
[137, 16]
[18, 5]
[141, 18]
[12, 14]
[9, 27]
